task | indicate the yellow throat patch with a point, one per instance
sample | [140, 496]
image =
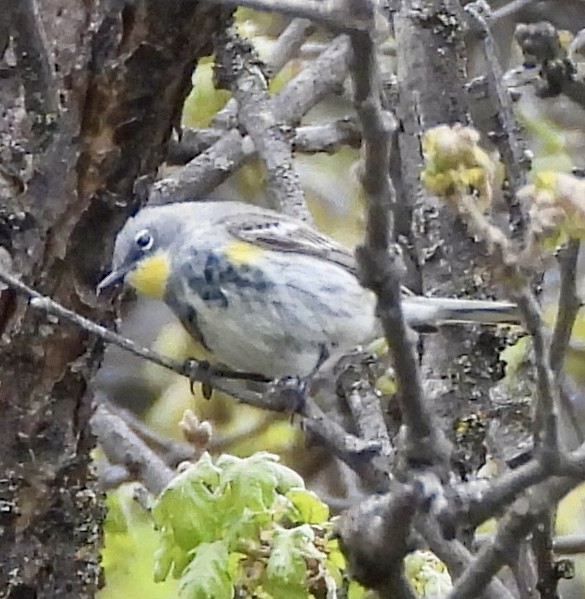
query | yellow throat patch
[150, 275]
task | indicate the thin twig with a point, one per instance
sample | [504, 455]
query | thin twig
[542, 545]
[122, 446]
[509, 9]
[506, 132]
[521, 564]
[569, 305]
[239, 70]
[339, 14]
[518, 521]
[219, 382]
[379, 267]
[546, 432]
[285, 48]
[562, 545]
[355, 452]
[569, 544]
[474, 509]
[309, 139]
[288, 44]
[172, 452]
[204, 173]
[458, 559]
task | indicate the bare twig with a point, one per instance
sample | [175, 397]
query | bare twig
[172, 452]
[476, 508]
[365, 407]
[309, 139]
[321, 78]
[521, 564]
[457, 558]
[110, 476]
[569, 544]
[506, 133]
[359, 454]
[327, 137]
[339, 14]
[355, 384]
[562, 545]
[238, 69]
[513, 528]
[205, 172]
[193, 369]
[288, 44]
[569, 305]
[286, 47]
[509, 9]
[379, 267]
[122, 446]
[356, 452]
[546, 412]
[542, 544]
[568, 308]
[376, 536]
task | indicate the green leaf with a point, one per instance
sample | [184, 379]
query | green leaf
[208, 574]
[117, 512]
[257, 478]
[355, 590]
[129, 545]
[311, 510]
[186, 516]
[287, 565]
[204, 100]
[169, 555]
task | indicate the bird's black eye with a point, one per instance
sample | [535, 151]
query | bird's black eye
[144, 239]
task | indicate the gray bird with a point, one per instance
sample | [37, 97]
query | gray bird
[263, 292]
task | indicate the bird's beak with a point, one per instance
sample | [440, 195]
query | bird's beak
[114, 277]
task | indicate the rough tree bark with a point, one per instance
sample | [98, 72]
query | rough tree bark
[460, 365]
[89, 93]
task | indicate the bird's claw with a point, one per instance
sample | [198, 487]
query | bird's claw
[200, 371]
[291, 391]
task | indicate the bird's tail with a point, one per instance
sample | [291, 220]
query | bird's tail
[429, 313]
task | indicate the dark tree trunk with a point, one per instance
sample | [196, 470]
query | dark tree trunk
[89, 92]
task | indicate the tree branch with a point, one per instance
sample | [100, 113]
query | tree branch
[379, 267]
[308, 139]
[238, 69]
[337, 14]
[124, 447]
[323, 77]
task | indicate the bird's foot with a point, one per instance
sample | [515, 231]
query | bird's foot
[292, 390]
[206, 373]
[200, 371]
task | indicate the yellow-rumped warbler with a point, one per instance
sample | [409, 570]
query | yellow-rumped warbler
[263, 292]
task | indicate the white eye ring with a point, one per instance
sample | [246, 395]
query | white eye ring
[144, 240]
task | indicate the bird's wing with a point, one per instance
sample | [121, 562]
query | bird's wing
[282, 234]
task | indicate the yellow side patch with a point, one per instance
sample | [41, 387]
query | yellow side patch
[242, 252]
[150, 275]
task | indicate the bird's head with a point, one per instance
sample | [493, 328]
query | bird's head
[142, 250]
